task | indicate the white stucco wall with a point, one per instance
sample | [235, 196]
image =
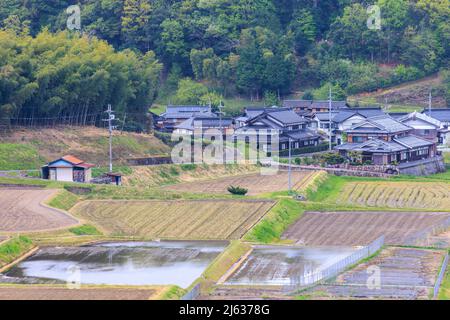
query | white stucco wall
[64, 174]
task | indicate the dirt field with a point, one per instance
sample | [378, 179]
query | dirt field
[360, 228]
[21, 211]
[182, 220]
[404, 273]
[52, 293]
[255, 183]
[433, 196]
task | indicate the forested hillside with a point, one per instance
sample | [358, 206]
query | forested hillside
[254, 48]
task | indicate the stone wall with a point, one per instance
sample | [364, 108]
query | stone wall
[423, 167]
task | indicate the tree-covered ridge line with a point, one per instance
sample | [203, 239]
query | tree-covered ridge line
[253, 48]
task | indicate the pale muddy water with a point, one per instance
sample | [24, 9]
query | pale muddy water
[132, 263]
[276, 265]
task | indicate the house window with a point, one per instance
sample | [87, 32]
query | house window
[295, 127]
[427, 131]
[357, 139]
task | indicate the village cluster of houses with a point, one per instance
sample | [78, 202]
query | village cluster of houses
[381, 138]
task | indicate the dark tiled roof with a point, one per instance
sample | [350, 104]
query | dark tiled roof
[287, 117]
[302, 135]
[442, 115]
[326, 104]
[297, 103]
[204, 122]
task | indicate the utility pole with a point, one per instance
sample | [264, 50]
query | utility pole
[330, 105]
[430, 101]
[111, 118]
[290, 168]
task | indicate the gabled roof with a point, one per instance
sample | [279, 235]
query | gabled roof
[326, 104]
[70, 161]
[286, 117]
[383, 124]
[377, 145]
[442, 115]
[420, 116]
[297, 103]
[204, 122]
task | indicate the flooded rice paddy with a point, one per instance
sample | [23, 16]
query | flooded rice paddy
[276, 265]
[131, 263]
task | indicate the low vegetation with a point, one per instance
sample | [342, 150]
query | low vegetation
[30, 149]
[270, 229]
[64, 200]
[85, 230]
[17, 156]
[226, 260]
[13, 249]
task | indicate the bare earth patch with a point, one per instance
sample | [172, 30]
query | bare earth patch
[181, 220]
[361, 228]
[53, 293]
[21, 211]
[405, 273]
[255, 183]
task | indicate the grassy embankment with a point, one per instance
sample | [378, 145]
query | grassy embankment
[14, 249]
[444, 293]
[28, 149]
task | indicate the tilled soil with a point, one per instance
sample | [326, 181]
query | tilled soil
[21, 211]
[361, 228]
[255, 183]
[404, 273]
[49, 293]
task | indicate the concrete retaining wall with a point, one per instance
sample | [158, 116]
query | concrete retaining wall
[424, 167]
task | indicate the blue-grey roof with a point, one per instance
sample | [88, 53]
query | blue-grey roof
[302, 135]
[204, 122]
[384, 124]
[413, 141]
[287, 117]
[297, 103]
[186, 112]
[442, 115]
[326, 104]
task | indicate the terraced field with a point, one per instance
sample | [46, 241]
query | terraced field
[59, 293]
[181, 220]
[361, 228]
[433, 196]
[255, 183]
[21, 210]
[405, 273]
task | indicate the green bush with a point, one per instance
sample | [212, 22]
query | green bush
[85, 230]
[237, 191]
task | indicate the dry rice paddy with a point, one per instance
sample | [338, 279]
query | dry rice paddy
[255, 183]
[433, 196]
[21, 210]
[181, 220]
[60, 293]
[361, 228]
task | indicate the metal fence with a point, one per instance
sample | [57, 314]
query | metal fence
[305, 279]
[422, 238]
[437, 286]
[193, 294]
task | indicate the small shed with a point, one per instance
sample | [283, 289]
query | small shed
[68, 169]
[116, 178]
